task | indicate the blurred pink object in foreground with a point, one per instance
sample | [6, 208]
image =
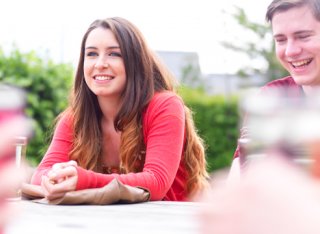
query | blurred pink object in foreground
[12, 124]
[272, 196]
[281, 122]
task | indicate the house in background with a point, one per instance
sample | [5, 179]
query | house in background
[227, 84]
[186, 67]
[178, 61]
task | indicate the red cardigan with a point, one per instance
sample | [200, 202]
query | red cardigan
[163, 174]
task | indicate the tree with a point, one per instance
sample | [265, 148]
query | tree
[262, 48]
[47, 86]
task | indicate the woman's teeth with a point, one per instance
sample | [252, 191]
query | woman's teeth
[103, 78]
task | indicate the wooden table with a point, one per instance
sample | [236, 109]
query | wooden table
[149, 217]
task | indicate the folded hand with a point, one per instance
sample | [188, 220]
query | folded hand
[62, 178]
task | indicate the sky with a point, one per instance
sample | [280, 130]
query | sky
[54, 29]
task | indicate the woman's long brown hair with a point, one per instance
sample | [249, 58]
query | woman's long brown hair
[145, 76]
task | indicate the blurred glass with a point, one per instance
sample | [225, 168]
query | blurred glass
[21, 150]
[280, 122]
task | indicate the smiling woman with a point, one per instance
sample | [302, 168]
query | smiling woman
[124, 121]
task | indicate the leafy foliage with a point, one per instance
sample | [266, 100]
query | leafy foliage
[216, 119]
[262, 48]
[47, 86]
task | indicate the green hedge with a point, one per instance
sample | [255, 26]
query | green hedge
[216, 118]
[47, 85]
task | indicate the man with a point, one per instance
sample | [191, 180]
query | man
[273, 196]
[296, 32]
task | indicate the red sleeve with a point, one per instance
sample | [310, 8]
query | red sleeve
[58, 150]
[164, 129]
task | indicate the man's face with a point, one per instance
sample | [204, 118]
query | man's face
[297, 39]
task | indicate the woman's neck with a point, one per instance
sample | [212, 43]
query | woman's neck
[109, 108]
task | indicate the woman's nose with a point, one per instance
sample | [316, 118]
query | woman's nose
[101, 63]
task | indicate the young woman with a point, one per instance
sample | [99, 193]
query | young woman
[124, 121]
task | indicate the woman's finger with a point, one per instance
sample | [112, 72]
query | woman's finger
[58, 166]
[67, 185]
[50, 192]
[59, 175]
[57, 190]
[72, 163]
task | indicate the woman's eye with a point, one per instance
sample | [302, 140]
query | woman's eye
[91, 54]
[114, 54]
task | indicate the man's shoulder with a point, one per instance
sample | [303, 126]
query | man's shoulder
[282, 82]
[286, 86]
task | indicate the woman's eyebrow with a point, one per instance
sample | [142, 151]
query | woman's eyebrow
[109, 47]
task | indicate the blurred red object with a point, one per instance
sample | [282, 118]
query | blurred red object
[12, 124]
[12, 104]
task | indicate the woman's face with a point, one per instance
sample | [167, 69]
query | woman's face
[104, 69]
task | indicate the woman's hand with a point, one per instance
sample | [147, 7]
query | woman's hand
[62, 178]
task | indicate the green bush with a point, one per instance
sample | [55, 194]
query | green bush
[47, 86]
[216, 118]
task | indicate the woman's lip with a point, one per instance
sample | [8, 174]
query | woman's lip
[103, 75]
